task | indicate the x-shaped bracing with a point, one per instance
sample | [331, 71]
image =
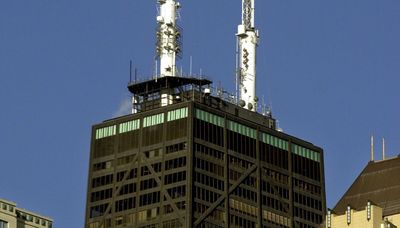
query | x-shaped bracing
[223, 197]
[157, 178]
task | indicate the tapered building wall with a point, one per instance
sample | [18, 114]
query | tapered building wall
[195, 164]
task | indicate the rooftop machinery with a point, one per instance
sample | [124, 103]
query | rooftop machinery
[247, 39]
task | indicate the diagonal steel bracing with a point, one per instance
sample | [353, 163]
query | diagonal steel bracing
[224, 196]
[119, 186]
[164, 192]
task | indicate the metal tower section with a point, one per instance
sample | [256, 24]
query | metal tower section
[168, 34]
[248, 40]
[168, 44]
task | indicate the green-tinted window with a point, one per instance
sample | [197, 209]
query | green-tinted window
[210, 118]
[3, 224]
[242, 129]
[274, 141]
[153, 120]
[307, 153]
[129, 126]
[106, 132]
[177, 114]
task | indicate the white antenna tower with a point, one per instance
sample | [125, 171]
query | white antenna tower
[168, 45]
[248, 39]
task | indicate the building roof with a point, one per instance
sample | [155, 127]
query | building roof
[379, 183]
[158, 84]
[21, 210]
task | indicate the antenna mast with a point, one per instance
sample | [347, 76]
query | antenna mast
[168, 42]
[383, 149]
[372, 148]
[167, 37]
[248, 40]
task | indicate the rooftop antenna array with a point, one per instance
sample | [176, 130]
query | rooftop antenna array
[168, 42]
[247, 41]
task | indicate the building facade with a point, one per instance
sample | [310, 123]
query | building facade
[201, 161]
[13, 217]
[372, 201]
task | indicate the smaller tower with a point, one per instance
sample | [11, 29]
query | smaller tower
[248, 40]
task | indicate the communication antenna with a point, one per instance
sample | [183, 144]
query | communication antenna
[383, 149]
[248, 40]
[263, 107]
[156, 68]
[372, 148]
[168, 35]
[237, 70]
[168, 42]
[132, 72]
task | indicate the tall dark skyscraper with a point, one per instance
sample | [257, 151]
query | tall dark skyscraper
[200, 162]
[188, 157]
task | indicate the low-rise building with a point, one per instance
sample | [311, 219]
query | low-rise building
[13, 217]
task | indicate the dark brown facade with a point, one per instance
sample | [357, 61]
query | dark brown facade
[201, 162]
[378, 183]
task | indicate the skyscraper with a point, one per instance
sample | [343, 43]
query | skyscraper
[188, 156]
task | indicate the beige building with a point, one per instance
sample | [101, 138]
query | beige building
[13, 217]
[372, 201]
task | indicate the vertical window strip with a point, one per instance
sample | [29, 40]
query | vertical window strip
[177, 114]
[106, 132]
[241, 129]
[274, 141]
[307, 153]
[129, 126]
[318, 157]
[101, 135]
[153, 120]
[210, 118]
[114, 130]
[161, 118]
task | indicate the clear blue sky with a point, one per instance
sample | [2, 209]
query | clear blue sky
[330, 69]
